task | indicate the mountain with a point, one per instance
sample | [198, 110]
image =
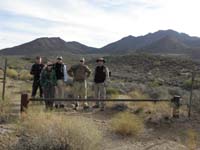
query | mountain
[46, 46]
[160, 42]
[132, 44]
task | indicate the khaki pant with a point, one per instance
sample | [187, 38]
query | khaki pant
[80, 90]
[100, 93]
[60, 89]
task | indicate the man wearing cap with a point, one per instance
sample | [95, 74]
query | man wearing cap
[80, 73]
[61, 76]
[101, 79]
[35, 71]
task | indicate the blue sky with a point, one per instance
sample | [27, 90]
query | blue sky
[93, 22]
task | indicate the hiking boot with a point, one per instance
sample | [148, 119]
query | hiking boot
[75, 106]
[95, 106]
[62, 106]
[86, 107]
[102, 109]
[56, 106]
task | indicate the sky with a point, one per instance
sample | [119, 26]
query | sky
[94, 22]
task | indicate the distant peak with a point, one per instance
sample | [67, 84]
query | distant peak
[128, 37]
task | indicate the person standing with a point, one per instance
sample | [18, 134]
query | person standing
[101, 79]
[48, 83]
[80, 73]
[35, 71]
[61, 76]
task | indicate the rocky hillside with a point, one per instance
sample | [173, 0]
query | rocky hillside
[48, 46]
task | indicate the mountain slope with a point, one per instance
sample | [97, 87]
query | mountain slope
[47, 46]
[165, 45]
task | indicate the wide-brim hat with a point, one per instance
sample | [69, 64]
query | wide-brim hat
[100, 59]
[82, 59]
[59, 58]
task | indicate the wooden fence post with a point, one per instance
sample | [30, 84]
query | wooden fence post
[176, 105]
[24, 102]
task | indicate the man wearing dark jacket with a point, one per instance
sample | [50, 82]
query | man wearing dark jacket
[101, 79]
[35, 71]
[61, 76]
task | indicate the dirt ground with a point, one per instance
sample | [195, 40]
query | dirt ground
[164, 134]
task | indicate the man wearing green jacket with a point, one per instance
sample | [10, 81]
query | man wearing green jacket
[48, 83]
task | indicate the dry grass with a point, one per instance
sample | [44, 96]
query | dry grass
[127, 124]
[5, 111]
[192, 138]
[42, 131]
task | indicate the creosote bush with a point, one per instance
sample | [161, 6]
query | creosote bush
[25, 75]
[12, 73]
[127, 124]
[42, 131]
[5, 111]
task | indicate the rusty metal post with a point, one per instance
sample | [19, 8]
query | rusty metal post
[4, 80]
[176, 105]
[24, 102]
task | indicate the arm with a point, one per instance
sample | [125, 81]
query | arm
[32, 72]
[107, 75]
[65, 73]
[70, 72]
[88, 71]
[54, 79]
[42, 78]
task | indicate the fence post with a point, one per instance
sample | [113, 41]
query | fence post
[191, 94]
[176, 105]
[24, 102]
[4, 79]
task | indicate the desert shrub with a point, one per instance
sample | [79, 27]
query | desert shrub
[1, 72]
[112, 91]
[42, 131]
[127, 124]
[138, 94]
[5, 111]
[157, 92]
[192, 139]
[188, 84]
[24, 75]
[12, 73]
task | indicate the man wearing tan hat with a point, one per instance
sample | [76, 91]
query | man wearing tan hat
[101, 79]
[80, 73]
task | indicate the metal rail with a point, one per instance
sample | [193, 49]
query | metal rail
[175, 101]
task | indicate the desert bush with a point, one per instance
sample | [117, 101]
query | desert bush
[1, 72]
[138, 94]
[127, 124]
[12, 73]
[42, 131]
[192, 139]
[188, 83]
[112, 91]
[24, 75]
[5, 111]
